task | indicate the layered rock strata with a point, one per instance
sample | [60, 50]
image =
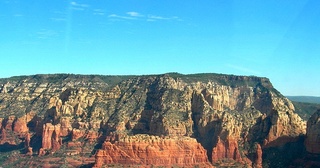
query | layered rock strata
[207, 117]
[152, 150]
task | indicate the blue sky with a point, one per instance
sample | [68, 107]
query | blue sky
[275, 39]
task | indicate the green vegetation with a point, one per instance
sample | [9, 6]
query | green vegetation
[230, 80]
[58, 78]
[8, 159]
[305, 110]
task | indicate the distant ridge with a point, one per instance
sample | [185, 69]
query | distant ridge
[305, 99]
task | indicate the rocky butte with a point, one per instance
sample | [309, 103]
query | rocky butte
[168, 120]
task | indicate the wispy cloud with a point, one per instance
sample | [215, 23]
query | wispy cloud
[78, 6]
[121, 17]
[73, 3]
[134, 14]
[98, 12]
[138, 16]
[154, 17]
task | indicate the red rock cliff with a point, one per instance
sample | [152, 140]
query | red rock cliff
[228, 149]
[51, 137]
[152, 150]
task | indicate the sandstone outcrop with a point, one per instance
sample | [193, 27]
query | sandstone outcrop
[3, 136]
[27, 140]
[51, 137]
[152, 150]
[279, 126]
[226, 150]
[7, 123]
[20, 125]
[312, 141]
[258, 157]
[29, 151]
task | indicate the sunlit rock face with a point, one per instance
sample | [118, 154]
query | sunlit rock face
[152, 150]
[185, 120]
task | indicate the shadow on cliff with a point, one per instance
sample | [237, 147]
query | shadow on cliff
[143, 124]
[283, 155]
[206, 135]
[87, 165]
[308, 161]
[152, 104]
[6, 147]
[36, 143]
[209, 139]
[208, 142]
[259, 131]
[280, 152]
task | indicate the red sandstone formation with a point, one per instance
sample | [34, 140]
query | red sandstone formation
[3, 135]
[286, 126]
[91, 136]
[152, 150]
[8, 123]
[20, 125]
[29, 151]
[12, 129]
[51, 137]
[228, 149]
[27, 140]
[6, 136]
[76, 134]
[65, 126]
[42, 152]
[258, 158]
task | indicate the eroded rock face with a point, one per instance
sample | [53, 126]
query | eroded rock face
[226, 150]
[13, 128]
[258, 157]
[51, 137]
[20, 125]
[152, 150]
[312, 141]
[285, 127]
[74, 114]
[8, 123]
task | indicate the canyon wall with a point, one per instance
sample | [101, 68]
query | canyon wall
[163, 120]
